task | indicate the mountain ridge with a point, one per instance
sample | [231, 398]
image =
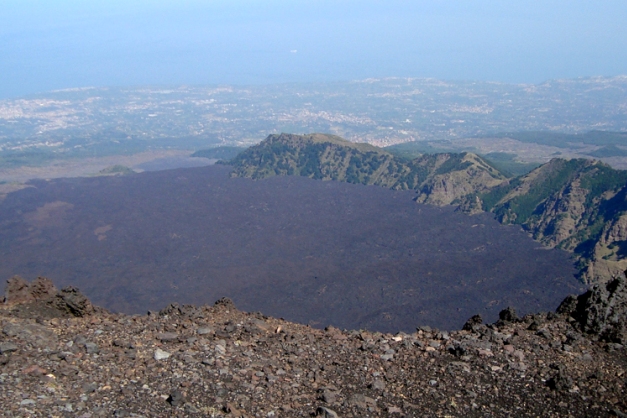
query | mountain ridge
[328, 157]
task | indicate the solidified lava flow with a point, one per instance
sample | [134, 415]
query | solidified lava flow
[309, 251]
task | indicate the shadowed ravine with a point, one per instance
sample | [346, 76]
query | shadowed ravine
[309, 251]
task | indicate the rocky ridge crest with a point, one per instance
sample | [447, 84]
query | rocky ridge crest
[439, 179]
[216, 361]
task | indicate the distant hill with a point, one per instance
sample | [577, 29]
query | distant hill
[506, 163]
[579, 205]
[610, 150]
[519, 152]
[219, 153]
[439, 179]
[116, 170]
[564, 140]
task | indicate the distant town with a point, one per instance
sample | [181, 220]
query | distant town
[99, 122]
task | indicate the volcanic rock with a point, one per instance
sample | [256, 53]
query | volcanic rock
[601, 311]
[18, 291]
[107, 364]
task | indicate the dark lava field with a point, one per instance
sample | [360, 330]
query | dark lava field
[309, 251]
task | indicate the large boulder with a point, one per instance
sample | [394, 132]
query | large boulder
[17, 291]
[72, 302]
[20, 291]
[41, 298]
[42, 288]
[601, 311]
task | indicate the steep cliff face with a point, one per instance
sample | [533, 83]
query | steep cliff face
[453, 176]
[609, 256]
[576, 205]
[562, 214]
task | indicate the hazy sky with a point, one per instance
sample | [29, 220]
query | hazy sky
[55, 44]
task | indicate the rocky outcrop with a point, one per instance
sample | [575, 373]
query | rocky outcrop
[471, 205]
[42, 298]
[608, 257]
[72, 302]
[601, 311]
[562, 216]
[19, 291]
[455, 176]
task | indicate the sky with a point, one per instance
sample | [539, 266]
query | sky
[58, 44]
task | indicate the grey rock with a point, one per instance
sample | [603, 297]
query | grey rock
[568, 305]
[89, 387]
[204, 330]
[161, 354]
[79, 340]
[329, 396]
[176, 398]
[191, 409]
[167, 336]
[378, 384]
[326, 412]
[262, 325]
[91, 348]
[534, 326]
[457, 349]
[8, 347]
[508, 314]
[72, 302]
[122, 343]
[618, 413]
[361, 401]
[560, 381]
[472, 322]
[225, 303]
[38, 335]
[544, 333]
[602, 310]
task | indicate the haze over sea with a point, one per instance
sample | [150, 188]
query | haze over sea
[68, 43]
